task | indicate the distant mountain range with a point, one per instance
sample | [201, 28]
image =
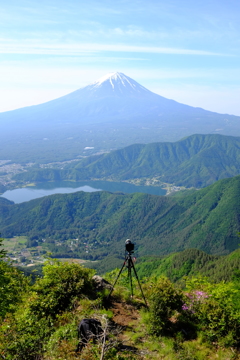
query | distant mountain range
[207, 219]
[111, 113]
[196, 161]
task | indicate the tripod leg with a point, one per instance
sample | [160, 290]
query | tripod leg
[117, 278]
[135, 272]
[130, 276]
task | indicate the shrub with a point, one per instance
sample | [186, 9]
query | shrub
[215, 308]
[212, 309]
[61, 284]
[13, 284]
[165, 303]
[25, 335]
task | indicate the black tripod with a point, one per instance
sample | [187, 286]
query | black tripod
[128, 262]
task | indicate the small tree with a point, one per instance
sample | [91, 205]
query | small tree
[13, 285]
[3, 252]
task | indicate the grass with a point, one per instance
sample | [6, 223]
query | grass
[15, 243]
[72, 260]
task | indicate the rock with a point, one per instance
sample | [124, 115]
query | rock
[100, 283]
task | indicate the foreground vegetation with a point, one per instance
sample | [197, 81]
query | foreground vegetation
[197, 320]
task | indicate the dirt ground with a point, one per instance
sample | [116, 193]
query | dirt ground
[125, 318]
[125, 315]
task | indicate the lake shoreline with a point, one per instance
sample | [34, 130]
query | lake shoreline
[32, 191]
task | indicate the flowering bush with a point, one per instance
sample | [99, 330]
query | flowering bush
[194, 299]
[215, 309]
[212, 309]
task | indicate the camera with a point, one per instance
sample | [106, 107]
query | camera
[129, 246]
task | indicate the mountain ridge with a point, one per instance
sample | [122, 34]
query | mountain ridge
[195, 161]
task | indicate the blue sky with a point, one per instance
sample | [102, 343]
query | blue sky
[184, 50]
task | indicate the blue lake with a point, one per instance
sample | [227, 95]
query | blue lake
[63, 187]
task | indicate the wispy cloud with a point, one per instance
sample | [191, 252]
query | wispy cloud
[78, 49]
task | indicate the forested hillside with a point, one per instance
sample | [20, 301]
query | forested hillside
[191, 262]
[196, 161]
[207, 219]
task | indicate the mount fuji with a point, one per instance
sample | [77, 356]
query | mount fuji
[114, 96]
[113, 112]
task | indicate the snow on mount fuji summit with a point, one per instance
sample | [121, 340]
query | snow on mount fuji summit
[118, 84]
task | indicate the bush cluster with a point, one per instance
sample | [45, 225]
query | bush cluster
[25, 333]
[210, 309]
[165, 302]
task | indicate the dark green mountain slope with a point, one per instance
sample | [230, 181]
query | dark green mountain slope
[212, 217]
[198, 161]
[207, 219]
[191, 262]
